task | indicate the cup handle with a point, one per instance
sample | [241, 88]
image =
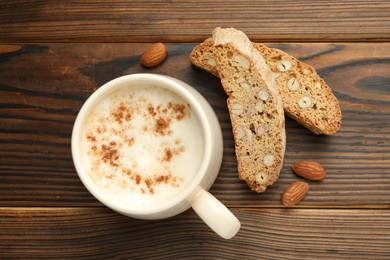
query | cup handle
[215, 215]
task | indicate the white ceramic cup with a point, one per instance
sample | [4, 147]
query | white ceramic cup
[195, 194]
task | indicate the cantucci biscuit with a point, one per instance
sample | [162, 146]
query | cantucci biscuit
[305, 95]
[255, 108]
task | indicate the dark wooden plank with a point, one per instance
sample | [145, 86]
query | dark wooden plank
[42, 87]
[265, 234]
[190, 21]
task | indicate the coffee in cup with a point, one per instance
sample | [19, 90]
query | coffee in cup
[142, 145]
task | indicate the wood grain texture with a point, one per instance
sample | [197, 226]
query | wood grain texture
[190, 21]
[43, 86]
[265, 234]
[55, 54]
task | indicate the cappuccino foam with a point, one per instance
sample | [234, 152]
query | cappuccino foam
[142, 145]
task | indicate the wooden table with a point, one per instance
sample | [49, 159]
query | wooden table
[54, 54]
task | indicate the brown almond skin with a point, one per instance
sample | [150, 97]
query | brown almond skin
[310, 170]
[154, 55]
[295, 193]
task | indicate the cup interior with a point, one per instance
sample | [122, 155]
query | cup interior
[128, 82]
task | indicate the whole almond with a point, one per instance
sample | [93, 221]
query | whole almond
[310, 170]
[154, 55]
[295, 193]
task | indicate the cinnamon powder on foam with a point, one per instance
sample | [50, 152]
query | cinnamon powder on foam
[106, 150]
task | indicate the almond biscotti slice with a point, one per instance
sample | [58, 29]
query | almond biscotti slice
[255, 108]
[305, 95]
